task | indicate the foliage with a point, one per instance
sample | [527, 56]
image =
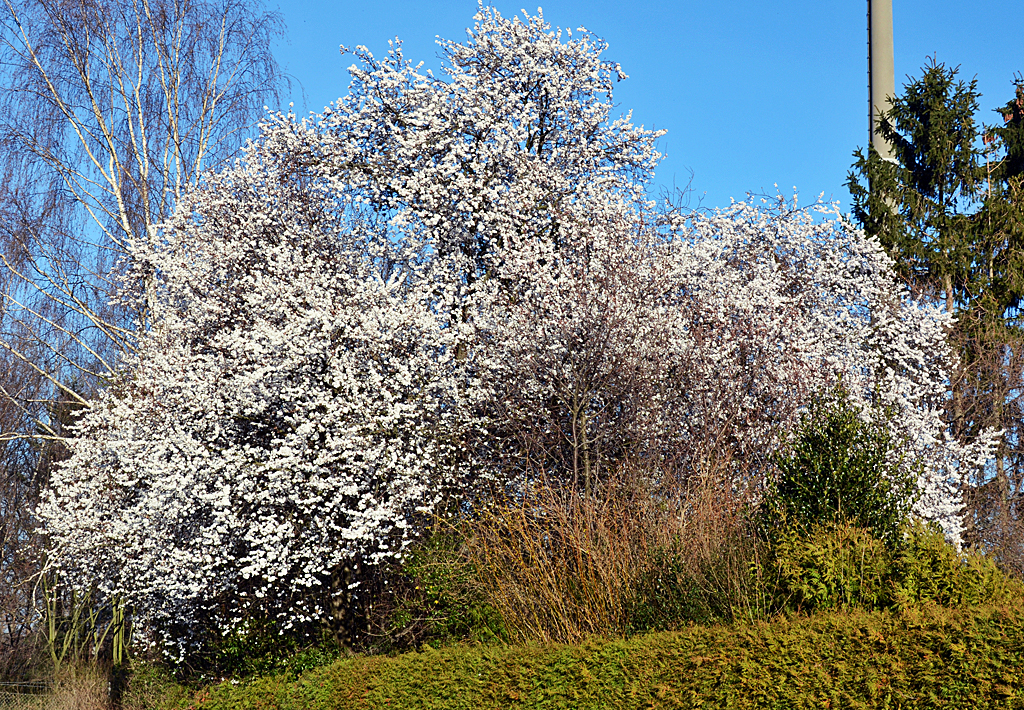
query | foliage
[681, 585]
[926, 658]
[561, 566]
[707, 562]
[1011, 134]
[435, 598]
[928, 569]
[260, 647]
[833, 566]
[151, 686]
[667, 596]
[841, 566]
[839, 467]
[448, 292]
[917, 206]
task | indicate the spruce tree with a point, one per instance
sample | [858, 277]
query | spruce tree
[950, 211]
[919, 207]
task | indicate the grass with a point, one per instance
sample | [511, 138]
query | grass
[926, 658]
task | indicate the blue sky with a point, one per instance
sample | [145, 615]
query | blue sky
[751, 93]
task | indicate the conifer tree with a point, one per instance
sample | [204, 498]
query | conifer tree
[949, 211]
[919, 206]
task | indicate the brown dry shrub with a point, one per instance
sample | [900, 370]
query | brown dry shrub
[81, 687]
[648, 549]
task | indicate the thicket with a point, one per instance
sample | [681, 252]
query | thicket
[429, 369]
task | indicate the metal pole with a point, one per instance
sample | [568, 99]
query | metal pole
[881, 72]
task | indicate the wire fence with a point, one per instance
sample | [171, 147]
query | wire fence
[24, 696]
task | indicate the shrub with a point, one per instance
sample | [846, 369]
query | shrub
[838, 565]
[81, 686]
[561, 566]
[929, 569]
[643, 552]
[840, 467]
[260, 647]
[932, 658]
[151, 687]
[714, 569]
[833, 566]
[434, 597]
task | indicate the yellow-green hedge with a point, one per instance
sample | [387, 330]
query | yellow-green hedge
[925, 658]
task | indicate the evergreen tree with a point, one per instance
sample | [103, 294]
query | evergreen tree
[950, 211]
[841, 466]
[919, 206]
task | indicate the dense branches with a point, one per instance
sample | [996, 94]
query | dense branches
[110, 112]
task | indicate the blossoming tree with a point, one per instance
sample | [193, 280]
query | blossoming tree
[277, 424]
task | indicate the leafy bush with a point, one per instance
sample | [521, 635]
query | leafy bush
[262, 647]
[833, 566]
[840, 566]
[929, 569]
[839, 467]
[434, 598]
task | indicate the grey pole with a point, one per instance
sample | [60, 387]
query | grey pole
[881, 73]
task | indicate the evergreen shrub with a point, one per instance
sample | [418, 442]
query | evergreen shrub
[840, 466]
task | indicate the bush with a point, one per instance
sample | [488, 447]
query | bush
[153, 687]
[840, 566]
[80, 686]
[434, 597]
[643, 552]
[932, 658]
[835, 566]
[839, 467]
[670, 594]
[929, 569]
[560, 566]
[262, 647]
[714, 567]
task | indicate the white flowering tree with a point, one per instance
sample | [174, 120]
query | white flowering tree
[442, 284]
[518, 124]
[277, 426]
[692, 345]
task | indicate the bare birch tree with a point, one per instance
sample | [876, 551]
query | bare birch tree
[109, 110]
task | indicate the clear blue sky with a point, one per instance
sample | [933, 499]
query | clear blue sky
[751, 93]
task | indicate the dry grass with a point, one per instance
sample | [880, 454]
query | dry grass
[722, 551]
[561, 566]
[81, 687]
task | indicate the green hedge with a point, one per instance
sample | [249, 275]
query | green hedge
[926, 658]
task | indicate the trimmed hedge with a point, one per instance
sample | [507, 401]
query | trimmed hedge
[925, 658]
